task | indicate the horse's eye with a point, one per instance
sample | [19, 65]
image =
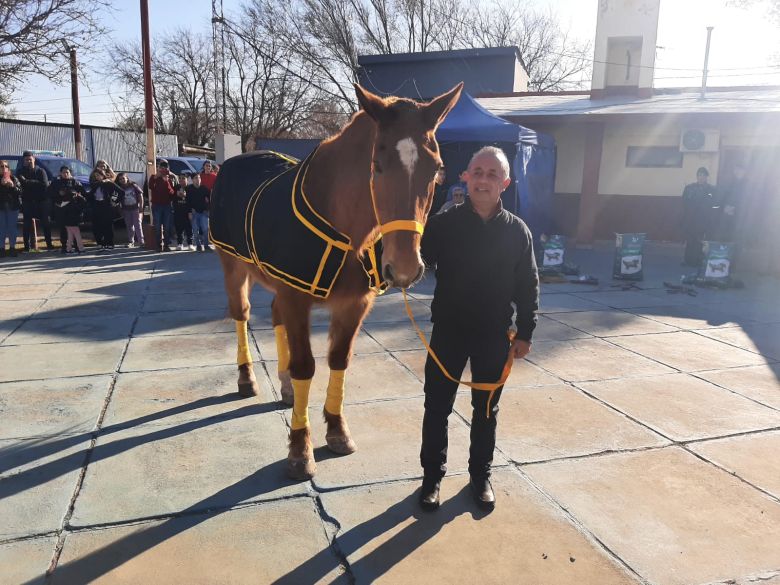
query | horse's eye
[377, 167]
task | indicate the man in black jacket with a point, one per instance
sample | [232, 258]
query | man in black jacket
[35, 201]
[698, 203]
[484, 262]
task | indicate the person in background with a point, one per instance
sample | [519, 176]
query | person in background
[35, 203]
[182, 215]
[208, 176]
[458, 196]
[198, 198]
[64, 184]
[104, 196]
[162, 190]
[132, 203]
[10, 203]
[698, 202]
[71, 204]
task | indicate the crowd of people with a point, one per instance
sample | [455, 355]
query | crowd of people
[179, 207]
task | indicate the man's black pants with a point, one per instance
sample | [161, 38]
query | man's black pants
[39, 211]
[488, 354]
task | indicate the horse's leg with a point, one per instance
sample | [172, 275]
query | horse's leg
[283, 354]
[294, 309]
[344, 324]
[237, 286]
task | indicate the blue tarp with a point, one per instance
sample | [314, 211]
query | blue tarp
[534, 161]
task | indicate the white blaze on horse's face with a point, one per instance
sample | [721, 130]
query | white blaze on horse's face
[409, 154]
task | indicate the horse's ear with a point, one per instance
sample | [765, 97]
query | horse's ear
[438, 108]
[372, 104]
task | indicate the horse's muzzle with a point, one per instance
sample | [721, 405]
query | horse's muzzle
[400, 279]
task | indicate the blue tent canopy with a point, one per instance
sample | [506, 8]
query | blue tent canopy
[534, 160]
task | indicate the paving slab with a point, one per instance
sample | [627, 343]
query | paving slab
[688, 352]
[747, 309]
[390, 308]
[266, 341]
[8, 326]
[59, 360]
[684, 408]
[62, 329]
[24, 277]
[551, 422]
[184, 323]
[548, 329]
[146, 471]
[566, 303]
[387, 539]
[592, 359]
[26, 561]
[376, 376]
[759, 338]
[752, 457]
[673, 518]
[185, 302]
[399, 336]
[27, 292]
[688, 316]
[37, 480]
[388, 440]
[112, 275]
[255, 544]
[172, 285]
[19, 309]
[761, 383]
[92, 306]
[77, 288]
[261, 317]
[172, 397]
[51, 407]
[610, 323]
[524, 373]
[163, 352]
[623, 299]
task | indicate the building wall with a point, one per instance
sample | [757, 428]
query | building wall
[570, 147]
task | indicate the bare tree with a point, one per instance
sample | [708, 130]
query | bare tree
[32, 31]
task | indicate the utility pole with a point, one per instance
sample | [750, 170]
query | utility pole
[218, 39]
[706, 61]
[74, 94]
[151, 150]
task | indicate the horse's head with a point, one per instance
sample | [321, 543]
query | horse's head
[405, 162]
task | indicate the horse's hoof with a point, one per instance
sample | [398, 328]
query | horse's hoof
[288, 396]
[248, 389]
[341, 445]
[301, 469]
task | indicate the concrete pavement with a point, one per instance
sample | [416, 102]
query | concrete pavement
[638, 443]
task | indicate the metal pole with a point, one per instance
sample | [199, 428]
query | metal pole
[706, 61]
[151, 150]
[74, 92]
[217, 68]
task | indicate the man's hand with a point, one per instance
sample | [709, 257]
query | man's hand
[519, 349]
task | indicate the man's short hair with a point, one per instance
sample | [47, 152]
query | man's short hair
[496, 152]
[65, 168]
[27, 153]
[161, 162]
[703, 171]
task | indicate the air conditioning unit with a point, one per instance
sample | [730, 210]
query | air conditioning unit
[699, 140]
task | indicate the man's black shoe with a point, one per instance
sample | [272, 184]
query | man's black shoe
[429, 494]
[483, 493]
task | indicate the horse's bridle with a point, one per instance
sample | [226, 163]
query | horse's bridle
[397, 225]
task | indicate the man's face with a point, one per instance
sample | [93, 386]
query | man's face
[701, 178]
[458, 196]
[196, 180]
[485, 179]
[206, 167]
[65, 173]
[162, 169]
[29, 161]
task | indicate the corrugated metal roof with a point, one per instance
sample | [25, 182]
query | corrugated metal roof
[739, 101]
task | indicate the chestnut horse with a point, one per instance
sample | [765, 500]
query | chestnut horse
[374, 177]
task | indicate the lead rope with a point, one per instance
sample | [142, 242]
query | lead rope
[486, 386]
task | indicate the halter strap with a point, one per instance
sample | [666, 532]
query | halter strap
[401, 225]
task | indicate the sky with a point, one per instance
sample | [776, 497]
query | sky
[745, 48]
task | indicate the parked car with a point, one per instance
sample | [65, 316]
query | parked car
[51, 164]
[186, 164]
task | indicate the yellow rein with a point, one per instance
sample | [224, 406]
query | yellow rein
[486, 386]
[416, 226]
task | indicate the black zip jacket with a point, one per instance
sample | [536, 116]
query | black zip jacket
[198, 198]
[34, 184]
[181, 206]
[11, 196]
[481, 268]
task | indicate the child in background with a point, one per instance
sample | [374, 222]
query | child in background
[72, 204]
[198, 198]
[132, 203]
[182, 217]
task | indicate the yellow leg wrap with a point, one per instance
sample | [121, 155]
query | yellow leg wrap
[334, 400]
[244, 356]
[300, 413]
[282, 348]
